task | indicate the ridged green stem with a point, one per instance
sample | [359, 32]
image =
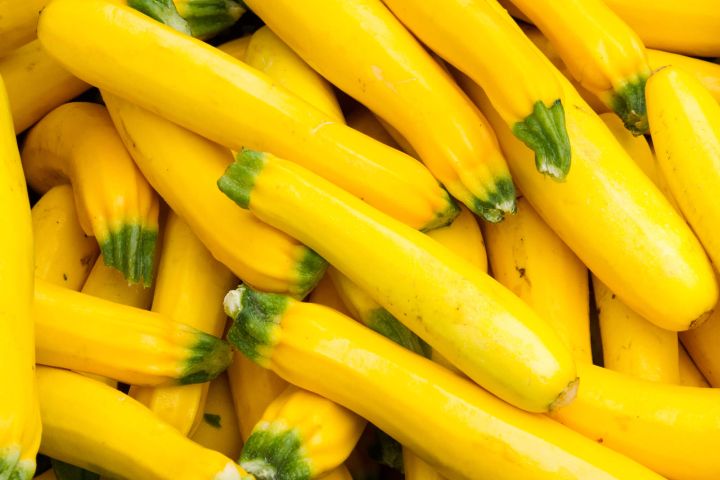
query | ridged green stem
[131, 249]
[206, 18]
[310, 270]
[628, 102]
[163, 11]
[390, 327]
[444, 217]
[501, 201]
[209, 358]
[275, 453]
[24, 470]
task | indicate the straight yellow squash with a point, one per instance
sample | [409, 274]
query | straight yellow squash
[708, 73]
[18, 23]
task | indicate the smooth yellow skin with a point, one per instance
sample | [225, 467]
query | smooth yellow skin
[530, 260]
[707, 73]
[599, 49]
[328, 432]
[96, 427]
[231, 103]
[376, 60]
[190, 288]
[417, 469]
[322, 351]
[236, 48]
[631, 344]
[273, 57]
[363, 120]
[615, 220]
[64, 254]
[340, 473]
[77, 143]
[689, 374]
[36, 83]
[226, 438]
[19, 417]
[465, 238]
[184, 167]
[109, 284]
[18, 23]
[670, 429]
[688, 27]
[80, 332]
[326, 294]
[253, 389]
[685, 127]
[701, 343]
[469, 318]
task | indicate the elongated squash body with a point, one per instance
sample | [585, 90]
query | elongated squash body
[81, 332]
[530, 260]
[231, 103]
[605, 55]
[18, 23]
[301, 435]
[77, 143]
[377, 61]
[707, 73]
[455, 307]
[317, 348]
[701, 343]
[670, 429]
[519, 81]
[36, 83]
[218, 430]
[101, 429]
[64, 254]
[19, 417]
[689, 374]
[647, 255]
[417, 469]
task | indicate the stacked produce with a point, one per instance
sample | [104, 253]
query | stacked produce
[359, 239]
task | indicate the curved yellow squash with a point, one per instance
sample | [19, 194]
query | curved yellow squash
[443, 418]
[18, 22]
[77, 143]
[231, 103]
[218, 428]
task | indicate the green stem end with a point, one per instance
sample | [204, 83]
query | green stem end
[210, 356]
[628, 102]
[131, 249]
[499, 202]
[445, 216]
[163, 11]
[384, 323]
[274, 453]
[207, 18]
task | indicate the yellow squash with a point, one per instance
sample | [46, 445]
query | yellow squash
[301, 436]
[707, 73]
[231, 103]
[605, 55]
[64, 254]
[109, 284]
[615, 220]
[417, 469]
[80, 332]
[236, 48]
[443, 418]
[189, 289]
[18, 23]
[670, 429]
[529, 259]
[689, 374]
[519, 81]
[454, 306]
[19, 417]
[77, 143]
[377, 61]
[96, 427]
[183, 167]
[218, 429]
[199, 18]
[701, 344]
[36, 83]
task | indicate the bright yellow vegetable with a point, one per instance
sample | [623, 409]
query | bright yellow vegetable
[701, 344]
[690, 375]
[301, 435]
[199, 18]
[631, 344]
[460, 311]
[183, 167]
[707, 73]
[670, 429]
[101, 429]
[465, 238]
[236, 48]
[77, 143]
[80, 332]
[218, 429]
[530, 260]
[189, 289]
[231, 103]
[444, 419]
[109, 284]
[605, 55]
[519, 81]
[64, 254]
[36, 83]
[19, 417]
[18, 22]
[377, 61]
[417, 469]
[616, 221]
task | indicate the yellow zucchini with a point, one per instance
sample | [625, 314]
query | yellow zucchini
[19, 417]
[36, 83]
[603, 53]
[529, 259]
[518, 80]
[701, 343]
[81, 332]
[64, 254]
[301, 436]
[325, 293]
[615, 220]
[218, 429]
[186, 267]
[417, 469]
[690, 375]
[77, 143]
[443, 418]
[231, 103]
[236, 48]
[455, 307]
[98, 428]
[377, 61]
[707, 73]
[18, 22]
[670, 429]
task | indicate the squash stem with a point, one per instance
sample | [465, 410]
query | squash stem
[628, 102]
[131, 250]
[209, 358]
[274, 453]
